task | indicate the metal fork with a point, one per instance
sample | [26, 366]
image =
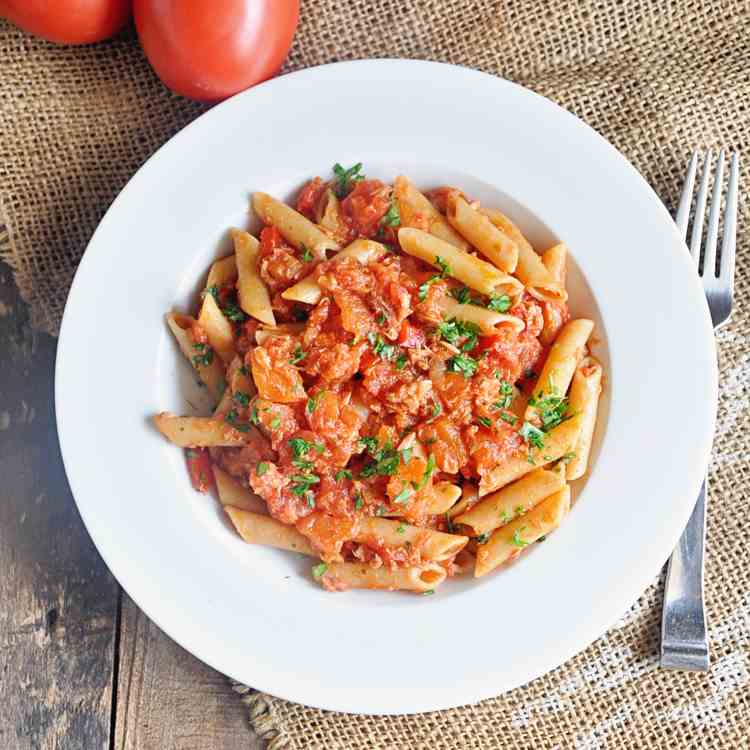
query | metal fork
[684, 644]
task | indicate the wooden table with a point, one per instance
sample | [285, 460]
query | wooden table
[81, 666]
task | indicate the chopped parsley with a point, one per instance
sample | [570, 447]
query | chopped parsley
[310, 498]
[406, 455]
[254, 418]
[261, 468]
[482, 538]
[462, 363]
[532, 435]
[382, 317]
[275, 423]
[567, 457]
[312, 402]
[342, 474]
[370, 444]
[453, 331]
[297, 356]
[242, 398]
[500, 303]
[303, 482]
[462, 295]
[429, 592]
[213, 290]
[244, 370]
[486, 421]
[437, 410]
[358, 501]
[542, 539]
[401, 528]
[401, 361]
[552, 410]
[381, 510]
[319, 569]
[519, 510]
[427, 473]
[506, 395]
[385, 462]
[379, 347]
[516, 540]
[307, 256]
[299, 446]
[205, 356]
[232, 417]
[529, 374]
[345, 178]
[510, 419]
[404, 495]
[234, 313]
[392, 217]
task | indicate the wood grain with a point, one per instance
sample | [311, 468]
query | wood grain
[58, 601]
[166, 698]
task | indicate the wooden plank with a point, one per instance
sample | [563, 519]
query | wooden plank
[166, 698]
[57, 617]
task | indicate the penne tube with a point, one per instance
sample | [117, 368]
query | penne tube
[475, 273]
[554, 260]
[561, 363]
[252, 293]
[584, 399]
[297, 229]
[482, 233]
[210, 368]
[530, 269]
[328, 214]
[223, 272]
[489, 321]
[197, 432]
[433, 545]
[469, 496]
[231, 492]
[515, 499]
[444, 497]
[345, 575]
[218, 329]
[557, 442]
[416, 211]
[508, 541]
[308, 291]
[464, 563]
[224, 406]
[255, 528]
[238, 377]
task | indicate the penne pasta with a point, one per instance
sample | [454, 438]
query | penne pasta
[416, 211]
[197, 432]
[489, 321]
[296, 228]
[482, 233]
[252, 293]
[238, 377]
[308, 290]
[283, 329]
[469, 496]
[530, 269]
[475, 273]
[554, 260]
[231, 492]
[433, 545]
[346, 575]
[444, 497]
[557, 442]
[508, 541]
[515, 499]
[223, 272]
[209, 368]
[218, 329]
[255, 528]
[584, 399]
[561, 362]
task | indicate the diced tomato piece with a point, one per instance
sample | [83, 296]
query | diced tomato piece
[309, 197]
[270, 239]
[410, 336]
[199, 466]
[366, 205]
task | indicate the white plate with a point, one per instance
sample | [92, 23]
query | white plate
[254, 613]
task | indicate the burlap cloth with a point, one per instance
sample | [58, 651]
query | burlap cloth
[657, 79]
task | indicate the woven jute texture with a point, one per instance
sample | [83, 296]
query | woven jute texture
[657, 79]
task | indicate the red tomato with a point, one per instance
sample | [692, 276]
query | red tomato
[210, 50]
[68, 21]
[410, 336]
[199, 466]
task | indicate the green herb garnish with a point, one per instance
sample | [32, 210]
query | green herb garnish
[344, 178]
[319, 569]
[297, 356]
[261, 468]
[453, 331]
[462, 363]
[516, 541]
[532, 435]
[392, 217]
[500, 303]
[307, 256]
[342, 474]
[242, 398]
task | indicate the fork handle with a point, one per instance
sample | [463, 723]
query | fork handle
[684, 644]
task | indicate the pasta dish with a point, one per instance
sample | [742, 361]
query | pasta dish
[400, 392]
